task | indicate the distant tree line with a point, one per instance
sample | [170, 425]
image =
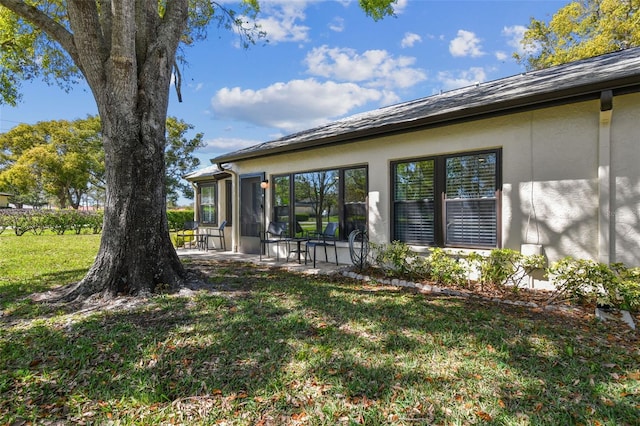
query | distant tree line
[62, 162]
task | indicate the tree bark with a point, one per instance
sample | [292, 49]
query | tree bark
[136, 255]
[126, 53]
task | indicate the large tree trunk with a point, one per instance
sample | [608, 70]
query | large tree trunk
[131, 82]
[126, 50]
[136, 254]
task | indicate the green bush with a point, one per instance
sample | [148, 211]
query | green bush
[394, 259]
[95, 221]
[505, 268]
[592, 282]
[302, 217]
[177, 218]
[397, 259]
[446, 269]
[58, 221]
[25, 220]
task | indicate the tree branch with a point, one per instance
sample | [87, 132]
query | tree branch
[43, 21]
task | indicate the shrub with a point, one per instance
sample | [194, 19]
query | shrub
[177, 218]
[446, 269]
[397, 259]
[590, 281]
[626, 291]
[506, 268]
[394, 259]
[95, 221]
[582, 280]
[58, 221]
[24, 220]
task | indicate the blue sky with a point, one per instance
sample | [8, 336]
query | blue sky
[323, 60]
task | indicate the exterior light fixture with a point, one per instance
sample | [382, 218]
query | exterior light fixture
[264, 184]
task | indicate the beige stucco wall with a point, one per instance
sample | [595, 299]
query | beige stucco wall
[550, 173]
[625, 176]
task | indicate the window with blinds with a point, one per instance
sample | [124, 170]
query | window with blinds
[414, 214]
[470, 205]
[448, 200]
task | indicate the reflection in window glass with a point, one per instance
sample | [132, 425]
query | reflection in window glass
[316, 195]
[355, 198]
[319, 198]
[471, 176]
[208, 195]
[281, 198]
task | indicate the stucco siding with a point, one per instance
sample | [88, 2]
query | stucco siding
[549, 173]
[625, 174]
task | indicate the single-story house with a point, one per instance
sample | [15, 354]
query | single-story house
[4, 200]
[545, 161]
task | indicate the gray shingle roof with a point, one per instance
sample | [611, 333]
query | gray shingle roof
[585, 78]
[205, 173]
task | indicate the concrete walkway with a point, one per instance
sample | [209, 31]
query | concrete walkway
[292, 264]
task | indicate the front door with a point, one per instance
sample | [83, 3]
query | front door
[251, 213]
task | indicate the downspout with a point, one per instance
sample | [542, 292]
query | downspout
[196, 207]
[605, 214]
[235, 200]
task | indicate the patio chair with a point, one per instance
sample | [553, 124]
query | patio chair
[219, 233]
[324, 239]
[215, 233]
[276, 233]
[188, 234]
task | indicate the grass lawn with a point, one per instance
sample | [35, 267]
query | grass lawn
[268, 347]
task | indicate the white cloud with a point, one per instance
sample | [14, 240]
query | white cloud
[451, 80]
[410, 39]
[374, 68]
[501, 56]
[466, 44]
[514, 35]
[293, 106]
[282, 21]
[400, 6]
[218, 145]
[337, 24]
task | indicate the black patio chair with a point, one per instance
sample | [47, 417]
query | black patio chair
[276, 233]
[324, 239]
[215, 233]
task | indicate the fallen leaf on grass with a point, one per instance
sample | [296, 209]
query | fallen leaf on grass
[299, 416]
[484, 415]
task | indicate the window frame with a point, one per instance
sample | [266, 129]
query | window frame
[228, 194]
[342, 214]
[440, 199]
[214, 203]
